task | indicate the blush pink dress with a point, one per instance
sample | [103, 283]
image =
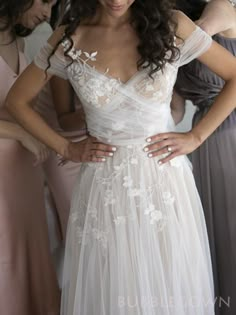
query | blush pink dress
[60, 179]
[28, 284]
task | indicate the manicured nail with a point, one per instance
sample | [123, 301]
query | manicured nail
[103, 160]
[111, 154]
[145, 149]
[160, 162]
[150, 155]
[113, 149]
[148, 139]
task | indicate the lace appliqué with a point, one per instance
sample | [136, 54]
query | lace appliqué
[159, 87]
[96, 90]
[83, 221]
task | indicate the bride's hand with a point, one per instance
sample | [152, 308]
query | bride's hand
[39, 150]
[88, 150]
[173, 143]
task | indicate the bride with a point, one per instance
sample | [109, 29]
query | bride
[136, 239]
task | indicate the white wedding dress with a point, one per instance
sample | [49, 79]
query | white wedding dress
[136, 240]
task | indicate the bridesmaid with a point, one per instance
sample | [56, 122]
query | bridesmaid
[214, 161]
[60, 178]
[28, 284]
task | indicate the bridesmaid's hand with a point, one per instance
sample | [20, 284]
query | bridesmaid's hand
[173, 143]
[88, 150]
[40, 151]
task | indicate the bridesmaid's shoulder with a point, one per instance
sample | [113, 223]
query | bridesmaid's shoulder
[185, 26]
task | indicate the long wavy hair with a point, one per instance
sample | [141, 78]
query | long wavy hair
[10, 12]
[152, 20]
[192, 8]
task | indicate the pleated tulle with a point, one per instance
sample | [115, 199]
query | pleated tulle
[136, 242]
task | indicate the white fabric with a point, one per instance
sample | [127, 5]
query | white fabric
[194, 46]
[136, 242]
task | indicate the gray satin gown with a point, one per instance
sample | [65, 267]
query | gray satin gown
[214, 166]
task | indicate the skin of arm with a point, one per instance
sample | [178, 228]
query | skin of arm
[10, 130]
[184, 143]
[18, 104]
[69, 118]
[177, 106]
[218, 17]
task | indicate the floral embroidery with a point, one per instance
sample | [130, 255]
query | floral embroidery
[128, 182]
[109, 198]
[150, 209]
[79, 234]
[120, 220]
[100, 236]
[168, 198]
[97, 91]
[156, 216]
[76, 54]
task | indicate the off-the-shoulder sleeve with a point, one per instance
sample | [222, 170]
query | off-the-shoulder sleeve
[194, 46]
[57, 63]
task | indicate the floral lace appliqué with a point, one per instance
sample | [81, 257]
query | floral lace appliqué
[96, 90]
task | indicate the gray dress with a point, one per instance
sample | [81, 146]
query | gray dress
[215, 174]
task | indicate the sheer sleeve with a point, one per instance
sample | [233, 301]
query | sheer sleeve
[57, 62]
[194, 46]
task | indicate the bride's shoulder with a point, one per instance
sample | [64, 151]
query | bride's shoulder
[185, 26]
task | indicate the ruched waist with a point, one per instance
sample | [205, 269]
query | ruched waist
[122, 142]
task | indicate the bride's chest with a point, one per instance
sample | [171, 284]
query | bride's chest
[99, 78]
[117, 56]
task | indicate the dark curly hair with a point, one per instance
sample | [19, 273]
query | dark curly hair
[10, 11]
[57, 13]
[192, 8]
[152, 21]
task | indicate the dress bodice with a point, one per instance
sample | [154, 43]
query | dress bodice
[122, 112]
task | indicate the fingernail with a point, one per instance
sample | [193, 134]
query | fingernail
[113, 149]
[103, 160]
[148, 139]
[111, 154]
[159, 162]
[145, 149]
[150, 155]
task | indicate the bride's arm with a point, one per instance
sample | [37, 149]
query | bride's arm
[224, 104]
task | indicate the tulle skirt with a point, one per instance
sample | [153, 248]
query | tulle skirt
[136, 240]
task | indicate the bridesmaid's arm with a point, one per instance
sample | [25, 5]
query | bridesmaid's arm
[177, 107]
[19, 104]
[70, 118]
[219, 16]
[10, 130]
[19, 101]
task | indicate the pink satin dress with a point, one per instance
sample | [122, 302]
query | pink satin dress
[28, 284]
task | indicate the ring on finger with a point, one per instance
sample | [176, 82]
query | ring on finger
[169, 149]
